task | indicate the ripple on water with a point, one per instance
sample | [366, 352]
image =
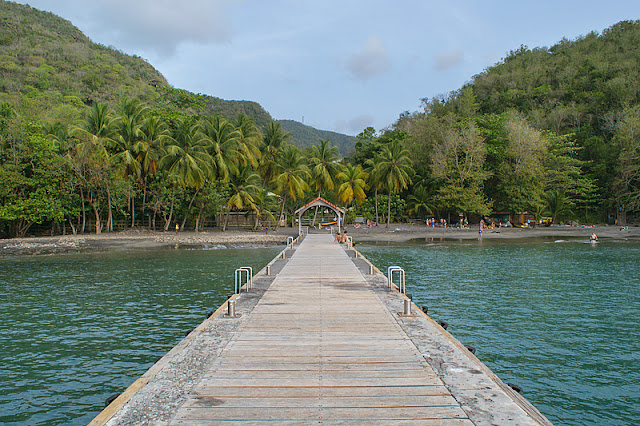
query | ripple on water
[78, 328]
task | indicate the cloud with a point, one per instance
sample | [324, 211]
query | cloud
[371, 61]
[160, 26]
[355, 125]
[448, 59]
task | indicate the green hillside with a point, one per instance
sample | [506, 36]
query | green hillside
[305, 136]
[550, 130]
[49, 70]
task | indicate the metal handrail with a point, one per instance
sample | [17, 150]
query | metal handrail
[290, 241]
[401, 278]
[238, 278]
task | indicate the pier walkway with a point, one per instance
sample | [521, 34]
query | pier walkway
[320, 345]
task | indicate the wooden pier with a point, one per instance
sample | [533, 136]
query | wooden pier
[319, 344]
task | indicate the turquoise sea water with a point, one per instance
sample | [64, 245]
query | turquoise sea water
[558, 318]
[77, 328]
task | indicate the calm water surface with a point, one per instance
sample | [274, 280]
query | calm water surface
[558, 318]
[77, 328]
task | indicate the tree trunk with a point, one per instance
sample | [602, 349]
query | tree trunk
[167, 222]
[255, 223]
[110, 217]
[144, 195]
[189, 208]
[226, 220]
[314, 216]
[97, 214]
[133, 210]
[73, 228]
[84, 212]
[199, 218]
[284, 200]
[377, 218]
[389, 211]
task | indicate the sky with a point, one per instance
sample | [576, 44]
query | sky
[339, 65]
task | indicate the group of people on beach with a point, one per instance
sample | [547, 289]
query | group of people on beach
[341, 238]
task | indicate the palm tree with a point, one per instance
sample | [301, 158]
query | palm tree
[155, 134]
[393, 168]
[186, 158]
[96, 132]
[353, 185]
[325, 167]
[185, 155]
[557, 205]
[291, 175]
[374, 181]
[249, 140]
[274, 142]
[419, 202]
[224, 148]
[245, 189]
[128, 144]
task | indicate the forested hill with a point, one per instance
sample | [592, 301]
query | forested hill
[49, 70]
[575, 102]
[49, 67]
[306, 136]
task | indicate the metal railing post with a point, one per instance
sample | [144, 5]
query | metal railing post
[401, 278]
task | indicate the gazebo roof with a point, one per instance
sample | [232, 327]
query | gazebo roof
[321, 202]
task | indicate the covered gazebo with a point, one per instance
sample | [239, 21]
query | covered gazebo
[318, 202]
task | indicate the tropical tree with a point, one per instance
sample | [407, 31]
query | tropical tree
[325, 166]
[186, 158]
[458, 161]
[155, 133]
[419, 202]
[353, 186]
[127, 145]
[393, 169]
[275, 139]
[249, 140]
[245, 189]
[557, 205]
[224, 147]
[95, 133]
[291, 175]
[373, 181]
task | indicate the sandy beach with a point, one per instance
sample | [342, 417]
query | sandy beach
[395, 233]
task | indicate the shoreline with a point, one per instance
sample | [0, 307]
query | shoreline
[396, 233]
[405, 232]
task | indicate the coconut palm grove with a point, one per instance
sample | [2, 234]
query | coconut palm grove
[98, 141]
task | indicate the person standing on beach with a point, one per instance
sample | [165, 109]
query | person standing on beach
[480, 228]
[177, 228]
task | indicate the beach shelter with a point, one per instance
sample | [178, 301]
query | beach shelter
[318, 202]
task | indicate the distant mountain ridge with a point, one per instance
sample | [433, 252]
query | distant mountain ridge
[305, 136]
[49, 68]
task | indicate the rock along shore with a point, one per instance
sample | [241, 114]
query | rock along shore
[395, 233]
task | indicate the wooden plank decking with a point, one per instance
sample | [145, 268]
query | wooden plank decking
[320, 343]
[320, 346]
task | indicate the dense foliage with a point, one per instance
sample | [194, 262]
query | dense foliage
[94, 140]
[542, 124]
